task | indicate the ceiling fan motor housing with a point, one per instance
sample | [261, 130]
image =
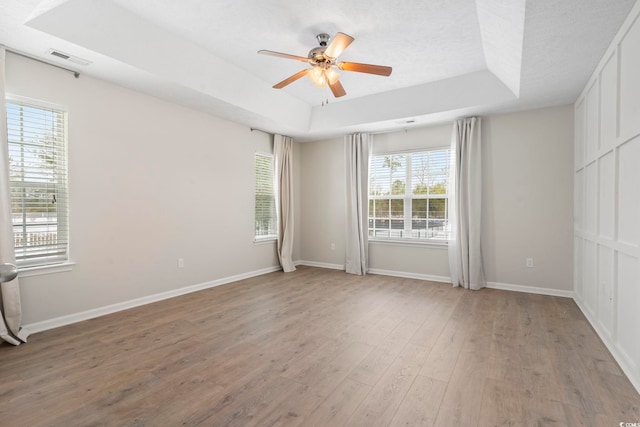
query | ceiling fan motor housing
[317, 58]
[316, 55]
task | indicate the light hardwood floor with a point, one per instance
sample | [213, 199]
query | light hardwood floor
[322, 348]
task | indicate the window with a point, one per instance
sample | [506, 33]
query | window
[38, 181]
[408, 195]
[265, 203]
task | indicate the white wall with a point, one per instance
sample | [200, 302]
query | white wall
[149, 182]
[322, 202]
[527, 206]
[607, 198]
[527, 198]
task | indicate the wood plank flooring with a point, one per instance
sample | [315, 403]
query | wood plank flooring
[322, 348]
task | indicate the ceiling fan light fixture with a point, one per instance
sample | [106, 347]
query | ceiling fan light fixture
[332, 76]
[316, 75]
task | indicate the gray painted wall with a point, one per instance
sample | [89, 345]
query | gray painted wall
[527, 200]
[149, 182]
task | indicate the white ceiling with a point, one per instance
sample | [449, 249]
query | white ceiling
[449, 57]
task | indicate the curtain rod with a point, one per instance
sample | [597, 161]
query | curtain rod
[269, 133]
[260, 130]
[76, 74]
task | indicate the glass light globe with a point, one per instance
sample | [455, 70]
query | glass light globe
[317, 77]
[332, 75]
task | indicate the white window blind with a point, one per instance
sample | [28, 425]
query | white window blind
[265, 199]
[408, 195]
[38, 181]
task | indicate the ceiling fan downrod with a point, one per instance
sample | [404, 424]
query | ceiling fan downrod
[323, 39]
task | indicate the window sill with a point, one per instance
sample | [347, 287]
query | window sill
[40, 270]
[411, 243]
[264, 240]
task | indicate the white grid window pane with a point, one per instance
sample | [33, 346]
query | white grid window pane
[266, 223]
[408, 195]
[38, 182]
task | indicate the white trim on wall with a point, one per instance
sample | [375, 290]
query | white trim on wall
[446, 279]
[490, 285]
[623, 359]
[530, 289]
[320, 264]
[429, 277]
[125, 305]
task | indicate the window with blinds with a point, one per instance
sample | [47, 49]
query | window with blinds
[265, 198]
[408, 195]
[38, 181]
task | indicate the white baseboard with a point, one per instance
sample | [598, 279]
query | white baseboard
[627, 365]
[108, 309]
[407, 275]
[490, 285]
[530, 289]
[447, 279]
[320, 264]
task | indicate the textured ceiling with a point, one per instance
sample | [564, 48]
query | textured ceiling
[422, 52]
[449, 57]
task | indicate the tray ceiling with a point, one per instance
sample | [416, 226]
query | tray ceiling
[449, 57]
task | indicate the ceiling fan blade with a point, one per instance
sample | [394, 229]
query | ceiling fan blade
[380, 70]
[283, 55]
[339, 43]
[292, 79]
[337, 89]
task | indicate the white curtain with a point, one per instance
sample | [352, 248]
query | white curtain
[283, 154]
[11, 311]
[465, 204]
[356, 149]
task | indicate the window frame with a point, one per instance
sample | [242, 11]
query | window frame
[407, 198]
[48, 263]
[264, 238]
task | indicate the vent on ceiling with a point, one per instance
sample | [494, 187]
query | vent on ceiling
[67, 57]
[406, 121]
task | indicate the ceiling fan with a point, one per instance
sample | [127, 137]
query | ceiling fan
[323, 63]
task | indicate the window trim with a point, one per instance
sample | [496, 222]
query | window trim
[406, 241]
[263, 240]
[40, 270]
[409, 242]
[56, 263]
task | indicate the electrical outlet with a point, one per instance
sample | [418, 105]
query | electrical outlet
[529, 262]
[333, 246]
[180, 263]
